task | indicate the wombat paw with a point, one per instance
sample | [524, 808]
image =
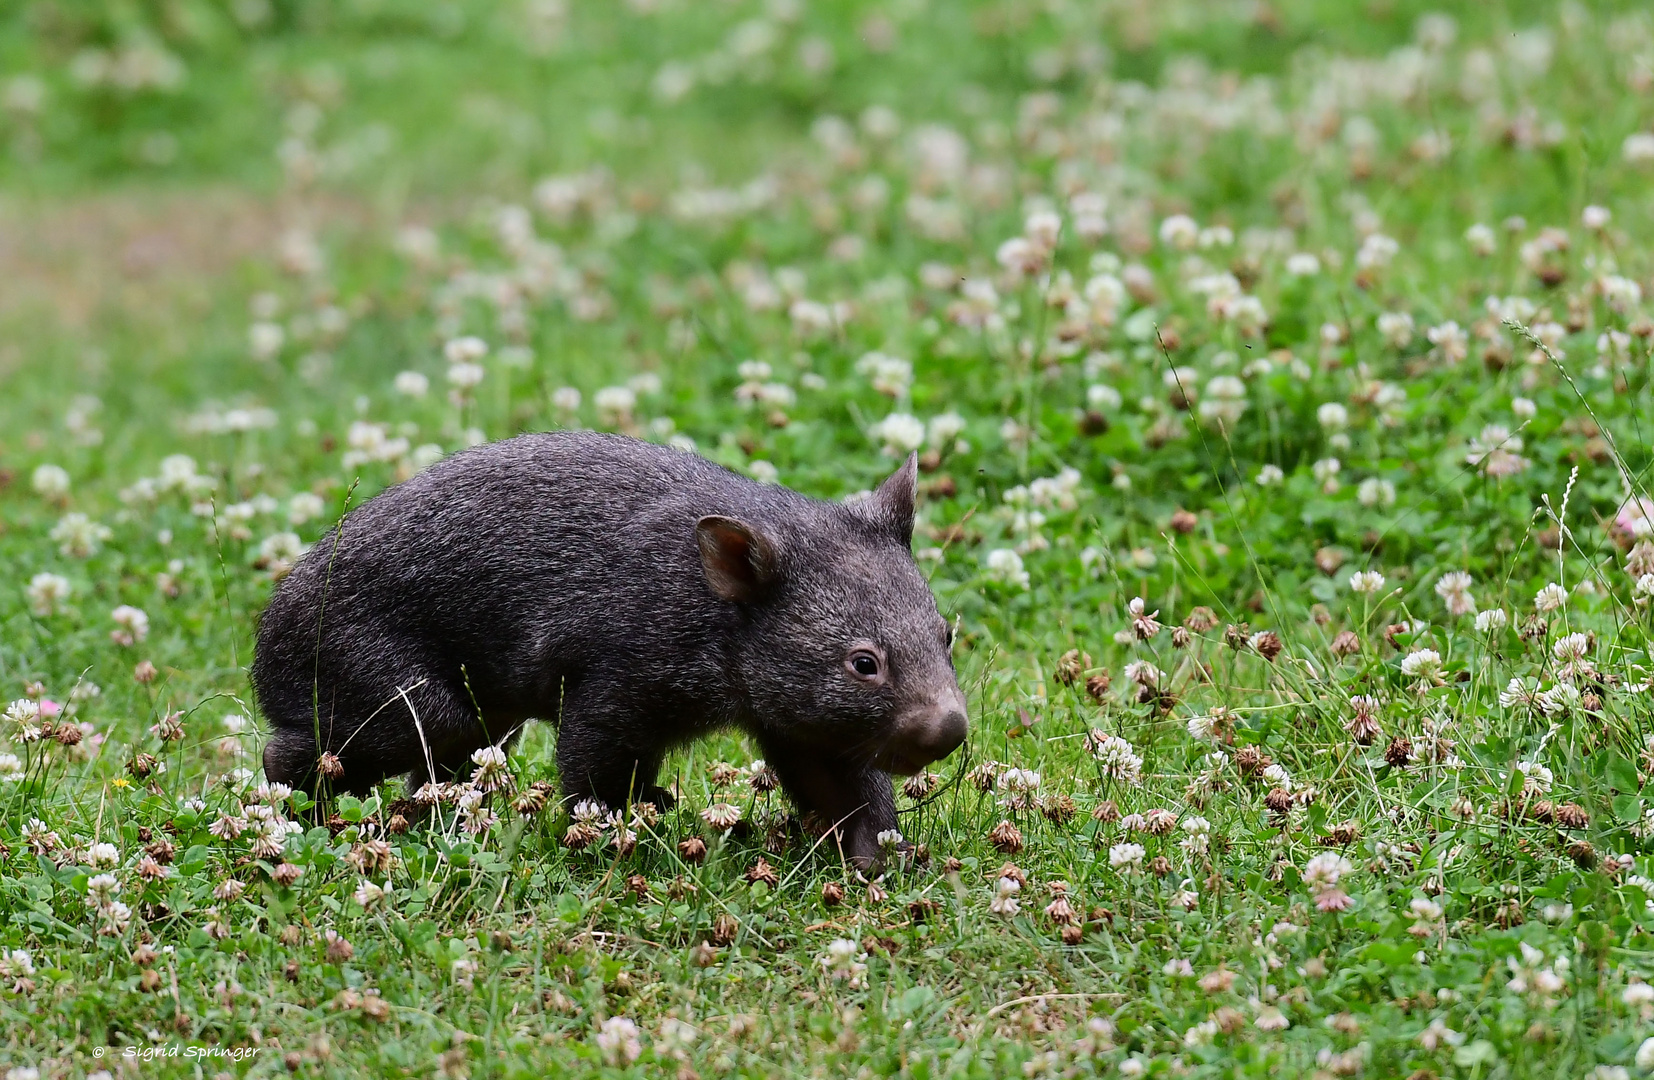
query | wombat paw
[664, 800]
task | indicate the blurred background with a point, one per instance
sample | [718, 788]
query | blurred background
[190, 185]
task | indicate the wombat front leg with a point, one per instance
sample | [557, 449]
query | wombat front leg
[854, 798]
[601, 755]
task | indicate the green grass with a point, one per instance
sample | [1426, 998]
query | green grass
[1494, 883]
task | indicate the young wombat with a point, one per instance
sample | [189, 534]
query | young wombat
[636, 596]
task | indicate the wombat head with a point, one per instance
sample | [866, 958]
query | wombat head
[840, 643]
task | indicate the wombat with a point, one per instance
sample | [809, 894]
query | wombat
[634, 595]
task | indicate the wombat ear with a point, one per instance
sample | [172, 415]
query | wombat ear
[891, 506]
[740, 562]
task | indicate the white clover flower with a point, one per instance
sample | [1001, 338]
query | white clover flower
[617, 1038]
[412, 384]
[1179, 231]
[1454, 588]
[1005, 565]
[78, 536]
[1571, 647]
[1558, 700]
[1019, 780]
[1422, 663]
[1203, 726]
[1303, 264]
[721, 815]
[1396, 327]
[1270, 475]
[890, 375]
[1451, 342]
[465, 350]
[1127, 858]
[280, 550]
[845, 960]
[944, 429]
[1376, 250]
[1551, 598]
[1116, 758]
[1366, 581]
[369, 895]
[50, 481]
[1199, 837]
[1323, 871]
[101, 888]
[615, 404]
[899, 433]
[1005, 903]
[1537, 778]
[1519, 692]
[1333, 416]
[676, 1036]
[265, 339]
[46, 593]
[133, 620]
[1376, 492]
[1142, 673]
[466, 376]
[1492, 620]
[1103, 397]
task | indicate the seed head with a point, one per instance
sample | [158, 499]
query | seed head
[1006, 837]
[1097, 686]
[1200, 620]
[1071, 665]
[338, 949]
[1583, 854]
[1268, 644]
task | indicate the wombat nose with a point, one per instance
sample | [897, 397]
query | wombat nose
[932, 735]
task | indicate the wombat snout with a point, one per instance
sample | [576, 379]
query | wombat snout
[924, 735]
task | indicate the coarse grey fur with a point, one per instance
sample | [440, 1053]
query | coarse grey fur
[638, 596]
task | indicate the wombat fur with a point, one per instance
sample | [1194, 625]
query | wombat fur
[635, 595]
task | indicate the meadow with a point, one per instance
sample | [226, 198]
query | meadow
[1280, 375]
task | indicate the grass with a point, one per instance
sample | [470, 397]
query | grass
[1276, 824]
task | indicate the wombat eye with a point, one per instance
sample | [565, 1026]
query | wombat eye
[865, 664]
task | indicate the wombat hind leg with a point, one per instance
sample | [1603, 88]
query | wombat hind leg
[290, 757]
